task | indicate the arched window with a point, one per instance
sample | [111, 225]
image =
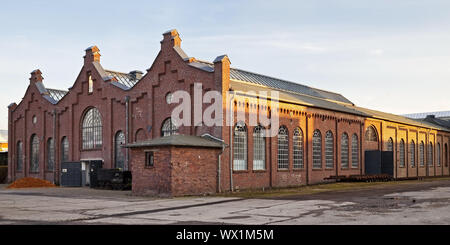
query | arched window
[64, 149]
[355, 154]
[240, 146]
[329, 150]
[422, 154]
[402, 153]
[259, 148]
[430, 154]
[390, 145]
[19, 156]
[139, 135]
[50, 154]
[344, 150]
[297, 144]
[283, 148]
[92, 129]
[412, 153]
[371, 134]
[168, 128]
[119, 151]
[317, 149]
[34, 154]
[438, 157]
[446, 155]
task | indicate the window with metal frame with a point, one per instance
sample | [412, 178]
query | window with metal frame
[344, 150]
[240, 146]
[412, 153]
[446, 155]
[259, 148]
[402, 153]
[50, 154]
[34, 154]
[149, 159]
[317, 149]
[119, 151]
[355, 151]
[64, 149]
[430, 155]
[92, 130]
[422, 154]
[438, 157]
[390, 145]
[168, 128]
[19, 156]
[329, 150]
[371, 134]
[297, 144]
[283, 148]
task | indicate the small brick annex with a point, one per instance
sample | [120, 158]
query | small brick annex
[135, 105]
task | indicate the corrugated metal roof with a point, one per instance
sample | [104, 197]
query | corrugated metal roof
[246, 76]
[124, 79]
[178, 140]
[298, 98]
[425, 114]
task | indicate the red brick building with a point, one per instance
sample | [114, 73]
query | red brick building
[321, 133]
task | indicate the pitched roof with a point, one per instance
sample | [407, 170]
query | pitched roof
[425, 114]
[178, 140]
[276, 83]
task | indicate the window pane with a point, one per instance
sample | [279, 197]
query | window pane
[119, 158]
[329, 150]
[240, 147]
[283, 148]
[355, 154]
[402, 153]
[344, 151]
[259, 149]
[92, 129]
[50, 154]
[297, 142]
[317, 149]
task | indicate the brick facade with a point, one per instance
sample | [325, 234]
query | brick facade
[140, 110]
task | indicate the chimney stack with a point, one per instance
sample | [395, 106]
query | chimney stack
[92, 55]
[171, 38]
[36, 76]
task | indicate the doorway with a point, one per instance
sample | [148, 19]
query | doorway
[89, 169]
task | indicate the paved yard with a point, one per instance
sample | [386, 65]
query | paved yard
[413, 202]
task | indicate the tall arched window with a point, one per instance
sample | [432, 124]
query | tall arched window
[344, 150]
[355, 151]
[412, 153]
[283, 148]
[422, 154]
[430, 154]
[168, 128]
[438, 157]
[317, 149]
[371, 134]
[19, 156]
[240, 147]
[446, 155]
[390, 145]
[64, 149]
[297, 147]
[50, 154]
[259, 148]
[402, 153]
[119, 151]
[34, 153]
[92, 130]
[329, 150]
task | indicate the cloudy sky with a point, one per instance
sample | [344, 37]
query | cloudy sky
[392, 56]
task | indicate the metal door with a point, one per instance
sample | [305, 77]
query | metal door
[93, 174]
[387, 162]
[372, 162]
[71, 174]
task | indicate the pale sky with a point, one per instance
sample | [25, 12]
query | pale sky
[392, 56]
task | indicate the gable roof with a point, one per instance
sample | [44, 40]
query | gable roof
[125, 80]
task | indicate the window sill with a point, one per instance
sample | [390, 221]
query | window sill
[240, 171]
[259, 171]
[282, 170]
[298, 169]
